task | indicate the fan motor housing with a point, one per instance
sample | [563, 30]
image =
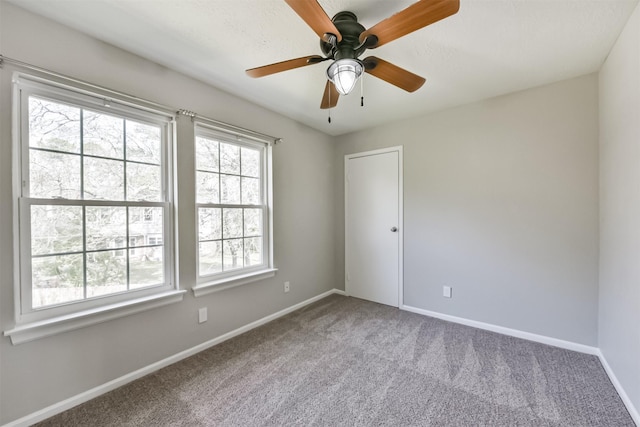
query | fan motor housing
[350, 29]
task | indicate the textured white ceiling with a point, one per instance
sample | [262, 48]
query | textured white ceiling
[489, 48]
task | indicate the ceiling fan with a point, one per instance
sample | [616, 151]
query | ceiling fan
[343, 39]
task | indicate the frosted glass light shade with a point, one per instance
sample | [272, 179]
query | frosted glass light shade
[344, 73]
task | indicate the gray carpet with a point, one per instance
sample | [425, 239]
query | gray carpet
[344, 361]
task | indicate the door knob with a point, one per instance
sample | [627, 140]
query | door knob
[394, 229]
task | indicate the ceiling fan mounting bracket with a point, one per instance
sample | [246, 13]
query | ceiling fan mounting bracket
[349, 47]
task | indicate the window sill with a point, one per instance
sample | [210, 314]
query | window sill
[232, 282]
[26, 332]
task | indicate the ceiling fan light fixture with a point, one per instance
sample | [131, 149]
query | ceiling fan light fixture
[344, 73]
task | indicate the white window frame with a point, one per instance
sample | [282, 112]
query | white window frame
[224, 280]
[32, 323]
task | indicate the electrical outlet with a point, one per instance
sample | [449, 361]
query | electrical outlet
[287, 287]
[202, 315]
[446, 291]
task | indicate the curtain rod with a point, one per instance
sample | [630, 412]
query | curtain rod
[230, 128]
[188, 113]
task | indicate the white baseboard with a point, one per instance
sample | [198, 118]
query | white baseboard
[125, 379]
[633, 411]
[569, 345]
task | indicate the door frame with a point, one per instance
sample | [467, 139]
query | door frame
[347, 157]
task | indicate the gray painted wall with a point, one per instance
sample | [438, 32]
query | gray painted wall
[619, 316]
[37, 374]
[501, 203]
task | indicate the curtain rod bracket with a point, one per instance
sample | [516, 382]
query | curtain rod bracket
[187, 113]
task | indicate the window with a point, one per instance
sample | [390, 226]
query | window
[155, 240]
[232, 196]
[94, 201]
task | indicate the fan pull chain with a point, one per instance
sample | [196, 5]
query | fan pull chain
[362, 90]
[329, 109]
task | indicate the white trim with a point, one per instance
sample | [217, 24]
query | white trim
[16, 175]
[374, 152]
[236, 132]
[269, 189]
[396, 149]
[633, 411]
[569, 345]
[69, 403]
[400, 226]
[232, 282]
[56, 325]
[94, 94]
[230, 133]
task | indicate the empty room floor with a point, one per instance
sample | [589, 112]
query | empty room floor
[345, 361]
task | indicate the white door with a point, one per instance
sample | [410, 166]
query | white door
[373, 207]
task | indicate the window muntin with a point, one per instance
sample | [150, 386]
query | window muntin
[90, 176]
[232, 206]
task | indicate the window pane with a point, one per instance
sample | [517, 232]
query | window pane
[229, 158]
[232, 223]
[54, 175]
[106, 273]
[53, 125]
[55, 229]
[208, 187]
[232, 255]
[250, 191]
[143, 142]
[143, 182]
[230, 189]
[146, 267]
[210, 224]
[210, 257]
[103, 135]
[106, 227]
[144, 222]
[252, 251]
[252, 222]
[238, 242]
[207, 155]
[103, 179]
[250, 162]
[56, 280]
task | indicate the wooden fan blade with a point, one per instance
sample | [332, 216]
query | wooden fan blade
[330, 97]
[265, 70]
[416, 16]
[393, 74]
[314, 15]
